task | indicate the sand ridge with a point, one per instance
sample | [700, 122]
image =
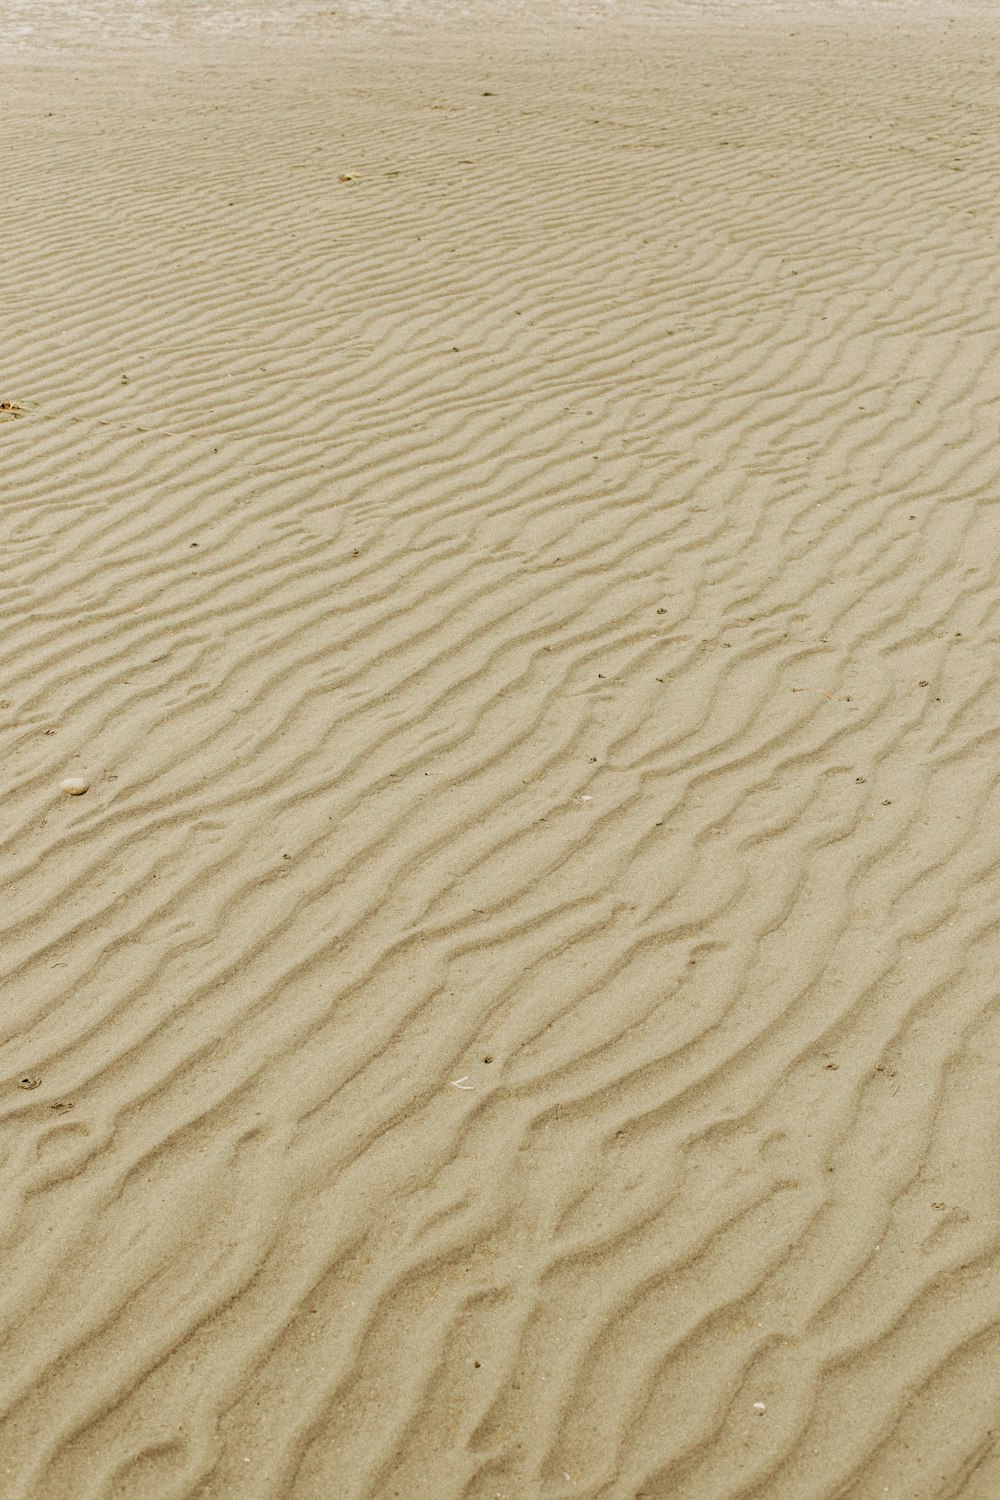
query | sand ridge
[504, 519]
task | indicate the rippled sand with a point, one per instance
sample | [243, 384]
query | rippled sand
[501, 510]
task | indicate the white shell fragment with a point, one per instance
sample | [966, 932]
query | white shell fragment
[74, 786]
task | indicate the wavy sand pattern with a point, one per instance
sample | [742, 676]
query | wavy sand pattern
[516, 1011]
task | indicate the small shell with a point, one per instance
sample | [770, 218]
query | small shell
[74, 786]
[29, 1081]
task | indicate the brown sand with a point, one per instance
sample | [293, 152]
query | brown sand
[515, 1013]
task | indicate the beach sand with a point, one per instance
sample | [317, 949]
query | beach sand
[502, 511]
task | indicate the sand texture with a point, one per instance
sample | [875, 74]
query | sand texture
[501, 521]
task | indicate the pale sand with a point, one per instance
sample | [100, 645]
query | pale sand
[520, 994]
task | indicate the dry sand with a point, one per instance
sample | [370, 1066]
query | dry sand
[504, 512]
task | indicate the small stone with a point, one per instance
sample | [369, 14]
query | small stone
[74, 786]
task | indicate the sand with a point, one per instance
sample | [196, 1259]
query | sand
[501, 514]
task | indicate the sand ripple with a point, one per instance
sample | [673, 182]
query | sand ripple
[507, 530]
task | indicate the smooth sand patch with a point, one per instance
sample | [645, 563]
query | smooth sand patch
[501, 512]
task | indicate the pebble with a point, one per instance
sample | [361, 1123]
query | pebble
[74, 786]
